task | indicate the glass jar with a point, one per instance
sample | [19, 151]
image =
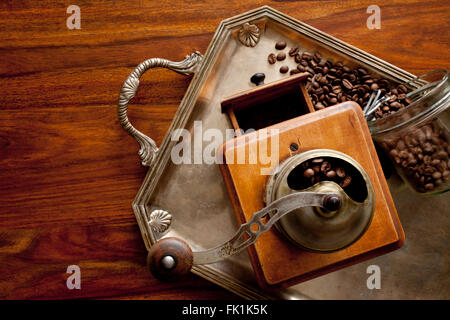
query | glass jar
[416, 138]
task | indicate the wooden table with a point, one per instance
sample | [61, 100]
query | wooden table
[68, 172]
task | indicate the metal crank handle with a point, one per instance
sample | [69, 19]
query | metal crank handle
[170, 258]
[148, 148]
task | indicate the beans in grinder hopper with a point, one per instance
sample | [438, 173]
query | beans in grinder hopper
[332, 169]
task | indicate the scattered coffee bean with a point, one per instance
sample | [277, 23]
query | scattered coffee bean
[335, 82]
[402, 88]
[272, 58]
[284, 69]
[258, 78]
[362, 71]
[293, 51]
[347, 84]
[281, 56]
[280, 45]
[307, 56]
[317, 57]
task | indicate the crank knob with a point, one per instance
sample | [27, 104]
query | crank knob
[169, 259]
[332, 203]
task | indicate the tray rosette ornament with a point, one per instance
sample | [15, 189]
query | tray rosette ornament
[327, 198]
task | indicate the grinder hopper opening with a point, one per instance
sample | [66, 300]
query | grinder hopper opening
[313, 228]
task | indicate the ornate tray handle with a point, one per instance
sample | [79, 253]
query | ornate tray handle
[188, 66]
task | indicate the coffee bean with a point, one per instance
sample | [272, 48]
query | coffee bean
[284, 69]
[323, 81]
[306, 56]
[395, 105]
[383, 83]
[429, 186]
[301, 68]
[317, 57]
[392, 98]
[308, 173]
[352, 78]
[310, 71]
[436, 175]
[340, 172]
[318, 70]
[325, 167]
[362, 71]
[347, 84]
[293, 51]
[331, 174]
[258, 78]
[281, 56]
[319, 106]
[345, 183]
[280, 45]
[294, 71]
[442, 154]
[403, 154]
[272, 58]
[402, 88]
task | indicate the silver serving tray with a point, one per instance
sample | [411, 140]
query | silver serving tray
[191, 201]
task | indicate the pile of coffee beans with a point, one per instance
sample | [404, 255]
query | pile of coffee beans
[330, 83]
[320, 169]
[423, 156]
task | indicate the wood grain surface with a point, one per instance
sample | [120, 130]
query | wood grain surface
[68, 172]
